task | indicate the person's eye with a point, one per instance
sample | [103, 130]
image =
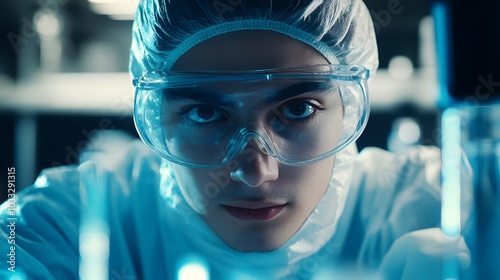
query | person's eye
[299, 109]
[203, 114]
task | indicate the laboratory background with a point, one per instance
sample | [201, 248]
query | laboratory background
[64, 84]
[65, 87]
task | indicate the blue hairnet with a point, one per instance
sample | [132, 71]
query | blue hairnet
[163, 30]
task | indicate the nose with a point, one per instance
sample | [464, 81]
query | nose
[254, 166]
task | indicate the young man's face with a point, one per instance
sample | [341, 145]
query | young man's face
[254, 203]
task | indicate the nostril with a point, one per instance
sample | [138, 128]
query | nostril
[238, 175]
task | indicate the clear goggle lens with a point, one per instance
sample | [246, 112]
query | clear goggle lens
[298, 116]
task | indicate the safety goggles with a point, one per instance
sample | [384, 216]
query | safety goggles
[296, 115]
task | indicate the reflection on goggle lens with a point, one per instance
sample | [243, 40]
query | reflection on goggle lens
[205, 120]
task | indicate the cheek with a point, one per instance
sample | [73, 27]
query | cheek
[335, 116]
[190, 183]
[310, 182]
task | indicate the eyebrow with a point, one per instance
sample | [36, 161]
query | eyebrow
[222, 99]
[199, 95]
[296, 89]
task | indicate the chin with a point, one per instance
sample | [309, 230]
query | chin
[258, 242]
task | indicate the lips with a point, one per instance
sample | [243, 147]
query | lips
[255, 211]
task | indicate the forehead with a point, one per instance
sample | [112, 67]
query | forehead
[248, 50]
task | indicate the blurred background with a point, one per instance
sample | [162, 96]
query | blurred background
[63, 78]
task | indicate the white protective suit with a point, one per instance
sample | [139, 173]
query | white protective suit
[151, 227]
